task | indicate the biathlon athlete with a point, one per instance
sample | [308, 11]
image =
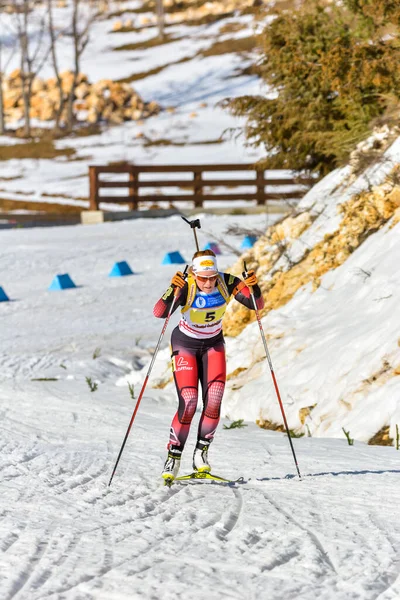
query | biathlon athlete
[198, 350]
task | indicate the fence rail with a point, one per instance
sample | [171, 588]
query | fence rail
[197, 185]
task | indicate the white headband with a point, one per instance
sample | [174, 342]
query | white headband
[202, 264]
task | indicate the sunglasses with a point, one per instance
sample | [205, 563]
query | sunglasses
[205, 278]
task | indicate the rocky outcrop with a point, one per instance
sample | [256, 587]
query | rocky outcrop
[103, 101]
[362, 215]
[262, 257]
[371, 150]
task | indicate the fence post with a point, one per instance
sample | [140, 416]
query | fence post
[93, 189]
[198, 189]
[133, 187]
[260, 182]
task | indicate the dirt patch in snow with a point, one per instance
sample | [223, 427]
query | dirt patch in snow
[381, 438]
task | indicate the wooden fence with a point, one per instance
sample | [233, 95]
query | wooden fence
[200, 188]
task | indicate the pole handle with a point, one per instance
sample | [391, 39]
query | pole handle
[193, 224]
[244, 275]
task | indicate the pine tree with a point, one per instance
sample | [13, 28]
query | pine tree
[328, 71]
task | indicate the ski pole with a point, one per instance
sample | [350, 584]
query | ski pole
[145, 381]
[244, 274]
[193, 225]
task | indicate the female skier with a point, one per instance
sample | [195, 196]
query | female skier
[198, 350]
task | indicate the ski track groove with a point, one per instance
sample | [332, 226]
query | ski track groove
[145, 506]
[25, 578]
[168, 514]
[86, 478]
[17, 424]
[79, 477]
[8, 542]
[396, 591]
[230, 522]
[317, 542]
[161, 509]
[70, 548]
[384, 593]
[107, 562]
[393, 573]
[11, 538]
[108, 559]
[28, 456]
[152, 504]
[132, 505]
[154, 508]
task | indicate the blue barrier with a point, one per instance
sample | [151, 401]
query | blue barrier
[3, 296]
[248, 242]
[120, 269]
[62, 282]
[173, 258]
[214, 247]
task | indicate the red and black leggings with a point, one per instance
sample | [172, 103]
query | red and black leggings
[197, 360]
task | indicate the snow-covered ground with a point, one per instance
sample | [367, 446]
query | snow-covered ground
[111, 313]
[64, 535]
[196, 133]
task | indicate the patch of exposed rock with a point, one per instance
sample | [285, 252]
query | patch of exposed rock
[103, 101]
[381, 438]
[371, 150]
[363, 215]
[262, 257]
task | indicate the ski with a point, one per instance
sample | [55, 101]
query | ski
[206, 476]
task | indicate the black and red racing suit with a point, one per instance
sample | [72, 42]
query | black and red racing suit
[198, 354]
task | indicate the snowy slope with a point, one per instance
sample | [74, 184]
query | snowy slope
[193, 84]
[351, 323]
[65, 536]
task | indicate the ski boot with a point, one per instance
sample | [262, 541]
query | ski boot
[200, 457]
[171, 466]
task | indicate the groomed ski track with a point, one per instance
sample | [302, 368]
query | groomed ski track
[65, 535]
